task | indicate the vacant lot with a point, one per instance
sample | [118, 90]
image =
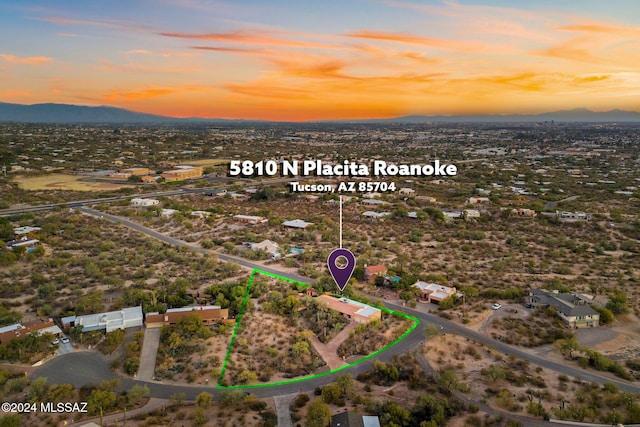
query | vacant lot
[60, 181]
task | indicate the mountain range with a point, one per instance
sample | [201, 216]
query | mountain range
[75, 114]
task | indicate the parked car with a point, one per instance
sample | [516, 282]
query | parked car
[65, 340]
[55, 342]
[496, 306]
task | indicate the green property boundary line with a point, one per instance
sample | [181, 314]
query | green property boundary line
[415, 320]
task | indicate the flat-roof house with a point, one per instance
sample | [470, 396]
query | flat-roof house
[353, 310]
[477, 199]
[250, 219]
[351, 419]
[143, 203]
[452, 215]
[208, 314]
[24, 242]
[574, 309]
[200, 214]
[371, 215]
[168, 212]
[373, 271]
[433, 292]
[470, 214]
[573, 216]
[17, 330]
[181, 173]
[26, 229]
[268, 246]
[406, 190]
[522, 212]
[129, 317]
[297, 223]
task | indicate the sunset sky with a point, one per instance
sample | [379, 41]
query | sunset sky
[308, 60]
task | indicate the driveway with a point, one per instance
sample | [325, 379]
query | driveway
[148, 355]
[65, 348]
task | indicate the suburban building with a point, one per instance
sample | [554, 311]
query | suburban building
[373, 271]
[351, 419]
[268, 246]
[406, 190]
[352, 310]
[26, 230]
[573, 216]
[574, 309]
[470, 214]
[148, 179]
[477, 199]
[297, 223]
[521, 212]
[23, 242]
[168, 212]
[250, 219]
[371, 215]
[448, 216]
[433, 292]
[180, 173]
[200, 214]
[136, 171]
[129, 317]
[17, 330]
[208, 314]
[143, 203]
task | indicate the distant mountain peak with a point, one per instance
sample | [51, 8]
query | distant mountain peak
[105, 114]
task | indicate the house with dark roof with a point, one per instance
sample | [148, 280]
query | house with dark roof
[574, 309]
[209, 315]
[351, 419]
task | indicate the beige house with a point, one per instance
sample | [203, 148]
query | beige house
[433, 292]
[353, 310]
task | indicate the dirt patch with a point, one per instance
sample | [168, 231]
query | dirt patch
[63, 182]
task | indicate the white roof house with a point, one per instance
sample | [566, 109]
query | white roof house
[110, 321]
[375, 215]
[168, 212]
[266, 245]
[297, 223]
[434, 292]
[26, 229]
[138, 202]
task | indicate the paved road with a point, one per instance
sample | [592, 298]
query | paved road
[446, 326]
[181, 243]
[87, 367]
[453, 328]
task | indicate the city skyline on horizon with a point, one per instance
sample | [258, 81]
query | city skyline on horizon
[283, 61]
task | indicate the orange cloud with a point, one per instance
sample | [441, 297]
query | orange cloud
[260, 52]
[26, 60]
[414, 39]
[153, 92]
[600, 29]
[254, 37]
[571, 50]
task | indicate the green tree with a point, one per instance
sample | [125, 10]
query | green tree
[318, 414]
[203, 400]
[137, 393]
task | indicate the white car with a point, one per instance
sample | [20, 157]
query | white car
[496, 306]
[65, 340]
[56, 341]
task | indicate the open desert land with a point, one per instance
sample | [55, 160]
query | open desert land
[58, 181]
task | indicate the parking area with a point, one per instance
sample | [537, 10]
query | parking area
[64, 347]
